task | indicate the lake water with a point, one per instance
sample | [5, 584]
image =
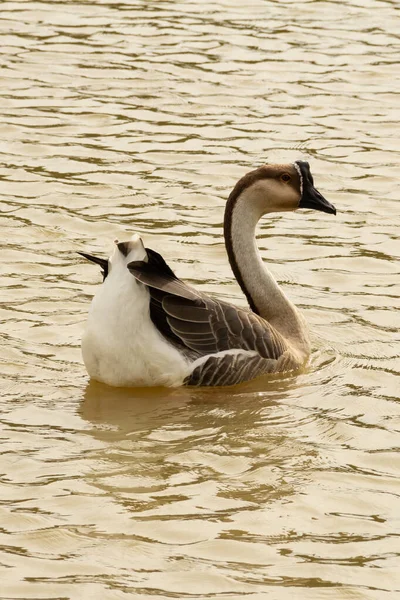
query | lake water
[122, 116]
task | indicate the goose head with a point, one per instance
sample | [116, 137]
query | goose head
[280, 188]
[123, 253]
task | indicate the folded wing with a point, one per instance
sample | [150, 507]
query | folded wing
[202, 326]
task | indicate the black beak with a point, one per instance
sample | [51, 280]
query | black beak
[311, 198]
[102, 262]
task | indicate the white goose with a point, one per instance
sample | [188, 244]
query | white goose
[146, 327]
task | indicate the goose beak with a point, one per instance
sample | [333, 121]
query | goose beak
[311, 197]
[103, 263]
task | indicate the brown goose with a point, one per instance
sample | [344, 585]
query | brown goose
[146, 327]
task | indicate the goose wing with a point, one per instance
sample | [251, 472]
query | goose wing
[243, 344]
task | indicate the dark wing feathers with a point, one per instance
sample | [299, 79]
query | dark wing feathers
[193, 311]
[156, 274]
[200, 325]
[230, 369]
[188, 328]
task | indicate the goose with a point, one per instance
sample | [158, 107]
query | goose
[146, 327]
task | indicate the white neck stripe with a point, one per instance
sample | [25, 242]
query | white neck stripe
[296, 166]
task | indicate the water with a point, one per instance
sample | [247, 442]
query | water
[141, 116]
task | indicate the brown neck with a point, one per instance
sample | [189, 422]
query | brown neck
[230, 227]
[263, 294]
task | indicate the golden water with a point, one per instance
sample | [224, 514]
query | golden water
[120, 116]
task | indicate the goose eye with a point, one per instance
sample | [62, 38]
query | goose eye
[285, 177]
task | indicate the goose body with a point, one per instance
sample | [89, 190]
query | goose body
[146, 327]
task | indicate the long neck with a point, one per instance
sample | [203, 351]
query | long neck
[263, 294]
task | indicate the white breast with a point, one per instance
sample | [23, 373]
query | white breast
[121, 346]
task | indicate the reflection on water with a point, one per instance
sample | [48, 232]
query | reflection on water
[121, 116]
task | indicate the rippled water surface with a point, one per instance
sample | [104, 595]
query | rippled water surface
[120, 116]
